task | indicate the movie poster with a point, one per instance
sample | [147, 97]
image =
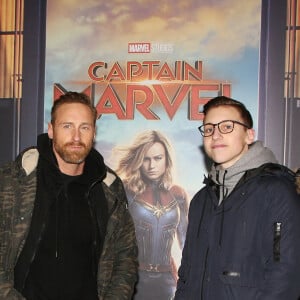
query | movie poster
[149, 66]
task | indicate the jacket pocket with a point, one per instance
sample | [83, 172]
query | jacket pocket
[244, 275]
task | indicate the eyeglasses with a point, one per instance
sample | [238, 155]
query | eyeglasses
[224, 127]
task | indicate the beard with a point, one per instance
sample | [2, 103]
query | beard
[72, 156]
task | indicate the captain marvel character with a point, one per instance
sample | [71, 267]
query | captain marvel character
[159, 210]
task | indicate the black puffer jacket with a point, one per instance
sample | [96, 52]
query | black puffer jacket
[248, 247]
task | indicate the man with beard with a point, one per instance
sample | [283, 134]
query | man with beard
[65, 229]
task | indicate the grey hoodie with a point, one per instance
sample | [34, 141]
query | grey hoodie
[227, 179]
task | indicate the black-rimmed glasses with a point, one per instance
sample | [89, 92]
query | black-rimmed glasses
[224, 127]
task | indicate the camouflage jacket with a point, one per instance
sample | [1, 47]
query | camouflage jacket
[118, 261]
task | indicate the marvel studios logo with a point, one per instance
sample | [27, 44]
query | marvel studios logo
[150, 48]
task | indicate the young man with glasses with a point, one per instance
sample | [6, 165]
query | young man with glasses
[243, 235]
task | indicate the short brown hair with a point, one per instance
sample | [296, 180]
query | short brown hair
[73, 97]
[226, 101]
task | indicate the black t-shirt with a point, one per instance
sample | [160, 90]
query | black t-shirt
[65, 265]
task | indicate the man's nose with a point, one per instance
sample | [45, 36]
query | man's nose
[76, 134]
[216, 134]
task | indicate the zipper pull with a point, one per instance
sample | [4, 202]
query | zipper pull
[276, 241]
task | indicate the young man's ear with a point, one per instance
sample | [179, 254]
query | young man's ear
[250, 136]
[50, 130]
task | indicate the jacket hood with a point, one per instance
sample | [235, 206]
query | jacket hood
[27, 160]
[256, 156]
[94, 161]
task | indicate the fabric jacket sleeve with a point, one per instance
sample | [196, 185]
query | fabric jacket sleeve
[282, 258]
[7, 291]
[181, 293]
[119, 263]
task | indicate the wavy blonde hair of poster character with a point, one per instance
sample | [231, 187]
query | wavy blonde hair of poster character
[131, 160]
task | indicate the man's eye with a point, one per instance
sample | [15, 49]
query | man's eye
[208, 129]
[227, 126]
[67, 126]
